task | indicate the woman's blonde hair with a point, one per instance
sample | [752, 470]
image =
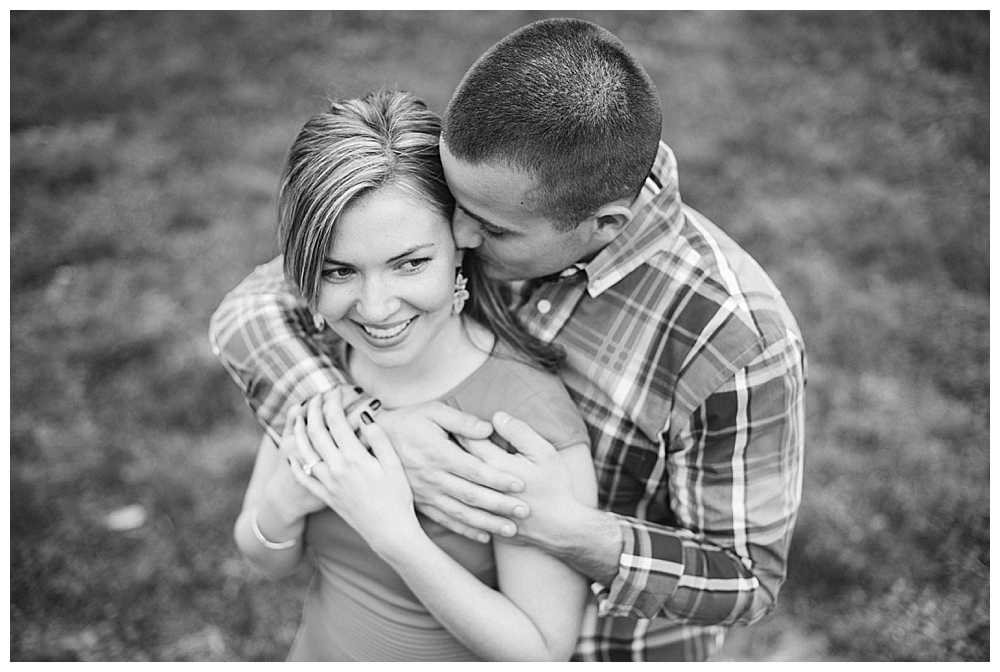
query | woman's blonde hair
[354, 149]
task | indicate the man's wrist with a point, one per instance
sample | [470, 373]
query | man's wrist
[589, 540]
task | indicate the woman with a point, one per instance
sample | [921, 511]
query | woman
[365, 227]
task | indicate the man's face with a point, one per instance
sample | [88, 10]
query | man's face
[493, 216]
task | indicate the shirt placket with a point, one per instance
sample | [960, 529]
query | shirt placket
[547, 307]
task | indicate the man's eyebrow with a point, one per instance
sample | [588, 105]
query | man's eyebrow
[481, 220]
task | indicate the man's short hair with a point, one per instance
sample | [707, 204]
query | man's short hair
[564, 101]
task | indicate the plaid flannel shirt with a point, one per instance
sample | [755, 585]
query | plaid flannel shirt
[688, 369]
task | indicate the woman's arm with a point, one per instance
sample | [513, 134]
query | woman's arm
[535, 615]
[280, 505]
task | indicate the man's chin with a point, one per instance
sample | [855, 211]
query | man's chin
[495, 272]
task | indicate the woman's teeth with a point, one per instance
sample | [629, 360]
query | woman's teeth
[387, 333]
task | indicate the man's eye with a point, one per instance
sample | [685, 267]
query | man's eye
[492, 233]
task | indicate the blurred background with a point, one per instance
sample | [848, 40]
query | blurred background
[848, 152]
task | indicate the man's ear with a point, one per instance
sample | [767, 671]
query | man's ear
[611, 219]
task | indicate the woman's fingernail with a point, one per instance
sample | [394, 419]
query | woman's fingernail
[508, 530]
[365, 418]
[520, 512]
[359, 390]
[375, 404]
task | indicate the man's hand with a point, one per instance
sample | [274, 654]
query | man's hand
[561, 493]
[548, 490]
[450, 486]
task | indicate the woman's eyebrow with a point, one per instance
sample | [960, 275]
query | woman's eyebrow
[402, 255]
[412, 250]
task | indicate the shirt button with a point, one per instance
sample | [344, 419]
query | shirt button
[544, 306]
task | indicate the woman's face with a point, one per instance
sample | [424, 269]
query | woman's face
[389, 277]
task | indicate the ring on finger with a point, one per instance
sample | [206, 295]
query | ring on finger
[308, 468]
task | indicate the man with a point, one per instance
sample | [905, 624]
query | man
[683, 358]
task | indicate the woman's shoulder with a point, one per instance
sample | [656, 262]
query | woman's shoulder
[507, 383]
[506, 368]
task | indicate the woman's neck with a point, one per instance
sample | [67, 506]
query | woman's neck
[453, 355]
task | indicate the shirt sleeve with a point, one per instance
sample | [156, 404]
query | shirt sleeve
[263, 334]
[735, 484]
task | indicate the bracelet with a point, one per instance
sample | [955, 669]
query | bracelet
[274, 546]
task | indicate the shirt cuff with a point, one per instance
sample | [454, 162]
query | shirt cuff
[649, 568]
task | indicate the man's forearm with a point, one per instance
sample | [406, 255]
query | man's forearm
[673, 572]
[690, 578]
[735, 468]
[262, 337]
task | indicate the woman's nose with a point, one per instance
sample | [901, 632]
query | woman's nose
[466, 231]
[377, 302]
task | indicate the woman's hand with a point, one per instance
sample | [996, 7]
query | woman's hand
[368, 489]
[283, 491]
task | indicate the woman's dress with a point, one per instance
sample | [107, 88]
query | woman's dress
[357, 607]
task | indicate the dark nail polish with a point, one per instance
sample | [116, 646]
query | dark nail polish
[359, 390]
[375, 404]
[365, 418]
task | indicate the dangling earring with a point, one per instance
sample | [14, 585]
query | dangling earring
[319, 322]
[461, 293]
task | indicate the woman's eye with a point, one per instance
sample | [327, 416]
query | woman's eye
[337, 274]
[411, 265]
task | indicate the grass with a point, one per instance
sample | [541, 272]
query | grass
[849, 152]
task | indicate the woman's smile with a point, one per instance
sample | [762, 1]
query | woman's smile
[385, 335]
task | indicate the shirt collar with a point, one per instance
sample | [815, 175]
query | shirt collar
[656, 220]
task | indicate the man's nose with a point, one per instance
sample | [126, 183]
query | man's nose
[466, 231]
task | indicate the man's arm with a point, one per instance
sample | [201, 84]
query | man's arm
[734, 475]
[263, 336]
